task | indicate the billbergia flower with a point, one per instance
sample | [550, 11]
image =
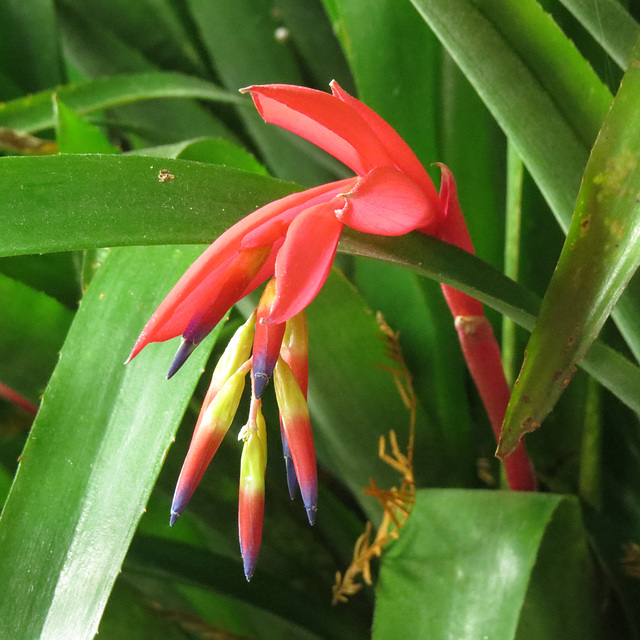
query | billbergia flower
[292, 243]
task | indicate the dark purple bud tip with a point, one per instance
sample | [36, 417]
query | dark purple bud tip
[249, 562]
[311, 514]
[260, 381]
[173, 518]
[184, 351]
[292, 480]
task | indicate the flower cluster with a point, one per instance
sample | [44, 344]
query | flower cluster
[291, 243]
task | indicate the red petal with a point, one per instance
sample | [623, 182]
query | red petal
[321, 118]
[385, 202]
[304, 262]
[454, 231]
[202, 280]
[454, 228]
[397, 149]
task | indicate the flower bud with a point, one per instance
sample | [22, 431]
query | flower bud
[213, 423]
[267, 341]
[294, 416]
[251, 498]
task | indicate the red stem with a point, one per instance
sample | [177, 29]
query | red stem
[482, 354]
[478, 342]
[13, 396]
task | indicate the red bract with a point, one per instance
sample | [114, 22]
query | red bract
[295, 238]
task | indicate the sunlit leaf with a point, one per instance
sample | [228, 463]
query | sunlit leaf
[599, 258]
[93, 454]
[480, 580]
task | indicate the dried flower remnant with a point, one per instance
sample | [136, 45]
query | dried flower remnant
[397, 504]
[631, 559]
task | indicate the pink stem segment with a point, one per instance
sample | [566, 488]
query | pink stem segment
[13, 396]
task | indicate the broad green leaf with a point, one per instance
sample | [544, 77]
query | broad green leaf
[29, 350]
[599, 257]
[97, 201]
[610, 24]
[35, 112]
[486, 565]
[76, 135]
[94, 452]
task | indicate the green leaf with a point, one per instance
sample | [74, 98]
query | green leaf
[599, 258]
[81, 202]
[260, 59]
[610, 24]
[94, 452]
[76, 135]
[29, 350]
[481, 580]
[210, 150]
[35, 112]
[527, 71]
[30, 44]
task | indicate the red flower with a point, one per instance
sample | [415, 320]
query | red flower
[295, 238]
[293, 241]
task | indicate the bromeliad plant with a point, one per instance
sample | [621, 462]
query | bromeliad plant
[121, 126]
[293, 241]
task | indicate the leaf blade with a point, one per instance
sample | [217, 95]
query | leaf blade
[86, 472]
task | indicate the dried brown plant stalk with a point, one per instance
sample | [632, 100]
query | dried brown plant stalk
[631, 559]
[397, 504]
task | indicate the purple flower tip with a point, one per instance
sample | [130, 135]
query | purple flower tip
[292, 480]
[311, 514]
[260, 381]
[249, 561]
[184, 351]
